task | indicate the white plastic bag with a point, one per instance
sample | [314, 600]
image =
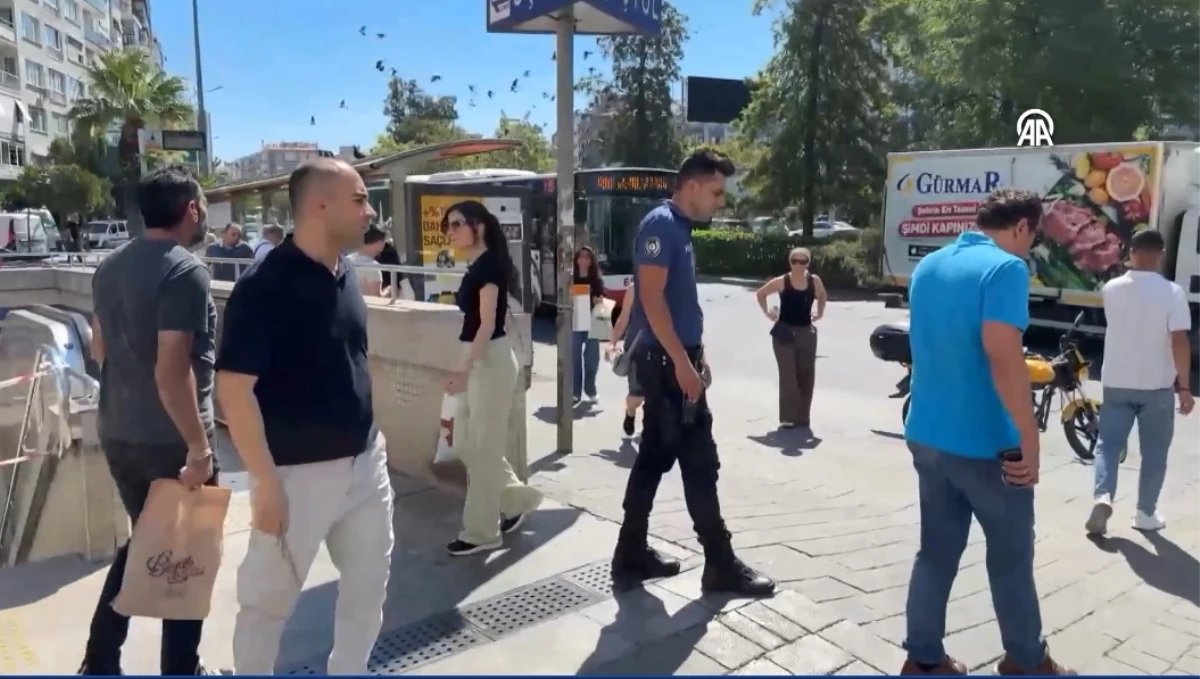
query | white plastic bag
[451, 404]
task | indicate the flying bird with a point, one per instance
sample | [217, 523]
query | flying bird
[394, 72]
[381, 36]
[491, 94]
[379, 65]
[343, 104]
[358, 155]
[513, 87]
[312, 120]
[471, 89]
[435, 78]
[362, 31]
[525, 74]
[554, 56]
[586, 55]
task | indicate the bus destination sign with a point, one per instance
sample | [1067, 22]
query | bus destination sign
[625, 181]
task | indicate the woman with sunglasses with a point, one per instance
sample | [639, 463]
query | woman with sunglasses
[497, 501]
[585, 351]
[794, 337]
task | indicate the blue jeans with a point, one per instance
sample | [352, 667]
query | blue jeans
[952, 490]
[585, 359]
[1154, 412]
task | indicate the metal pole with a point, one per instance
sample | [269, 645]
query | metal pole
[565, 91]
[201, 114]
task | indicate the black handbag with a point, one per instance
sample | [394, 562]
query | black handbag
[782, 333]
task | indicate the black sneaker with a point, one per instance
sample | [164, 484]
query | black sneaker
[463, 548]
[509, 525]
[735, 577]
[628, 424]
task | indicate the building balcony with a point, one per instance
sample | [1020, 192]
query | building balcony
[56, 53]
[10, 81]
[8, 33]
[96, 38]
[59, 98]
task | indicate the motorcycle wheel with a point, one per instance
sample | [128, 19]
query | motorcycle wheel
[904, 410]
[1082, 432]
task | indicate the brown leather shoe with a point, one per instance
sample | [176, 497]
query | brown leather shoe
[1048, 668]
[949, 667]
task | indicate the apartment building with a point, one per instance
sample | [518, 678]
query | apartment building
[45, 49]
[272, 159]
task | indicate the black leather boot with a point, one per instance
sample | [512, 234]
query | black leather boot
[635, 561]
[726, 574]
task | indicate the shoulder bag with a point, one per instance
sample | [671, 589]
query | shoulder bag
[624, 362]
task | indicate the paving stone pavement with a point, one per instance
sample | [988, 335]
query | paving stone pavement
[834, 519]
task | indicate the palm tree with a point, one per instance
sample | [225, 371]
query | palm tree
[127, 90]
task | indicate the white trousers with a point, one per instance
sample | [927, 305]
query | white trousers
[347, 504]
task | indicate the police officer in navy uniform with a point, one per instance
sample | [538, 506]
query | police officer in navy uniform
[669, 360]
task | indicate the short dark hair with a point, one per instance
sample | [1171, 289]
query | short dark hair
[163, 196]
[374, 235]
[1003, 208]
[302, 178]
[1147, 240]
[703, 163]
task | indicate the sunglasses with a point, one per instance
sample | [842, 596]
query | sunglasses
[799, 261]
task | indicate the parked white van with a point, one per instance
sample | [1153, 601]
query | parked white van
[106, 234]
[23, 232]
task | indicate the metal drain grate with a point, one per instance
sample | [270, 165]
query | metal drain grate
[596, 577]
[408, 647]
[527, 606]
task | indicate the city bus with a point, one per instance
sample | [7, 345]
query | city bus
[609, 205]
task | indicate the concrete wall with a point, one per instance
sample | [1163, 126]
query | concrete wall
[412, 346]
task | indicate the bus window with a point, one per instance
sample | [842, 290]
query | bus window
[612, 224]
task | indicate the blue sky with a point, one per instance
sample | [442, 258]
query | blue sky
[279, 62]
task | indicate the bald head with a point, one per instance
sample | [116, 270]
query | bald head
[318, 175]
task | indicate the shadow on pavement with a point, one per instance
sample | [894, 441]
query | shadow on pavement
[624, 456]
[425, 580]
[1169, 568]
[888, 434]
[790, 442]
[642, 615]
[549, 414]
[29, 583]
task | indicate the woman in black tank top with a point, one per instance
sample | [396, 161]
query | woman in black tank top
[794, 337]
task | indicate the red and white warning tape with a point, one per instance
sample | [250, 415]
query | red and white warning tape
[30, 454]
[22, 379]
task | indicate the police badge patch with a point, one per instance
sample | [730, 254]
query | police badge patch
[653, 246]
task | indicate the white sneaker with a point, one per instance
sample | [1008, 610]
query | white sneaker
[1097, 523]
[1148, 522]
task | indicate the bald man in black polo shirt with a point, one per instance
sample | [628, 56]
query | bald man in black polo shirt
[295, 388]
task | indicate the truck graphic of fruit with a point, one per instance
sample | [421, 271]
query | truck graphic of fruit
[1125, 182]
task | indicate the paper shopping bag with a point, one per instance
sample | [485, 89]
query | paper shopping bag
[451, 405]
[175, 553]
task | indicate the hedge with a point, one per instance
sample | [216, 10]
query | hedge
[841, 262]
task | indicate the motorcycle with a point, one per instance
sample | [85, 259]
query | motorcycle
[1062, 375]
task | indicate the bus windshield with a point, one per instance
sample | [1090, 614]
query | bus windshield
[612, 222]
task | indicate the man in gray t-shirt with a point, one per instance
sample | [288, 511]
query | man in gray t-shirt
[231, 247]
[153, 332]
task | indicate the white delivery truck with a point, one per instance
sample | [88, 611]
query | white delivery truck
[1096, 197]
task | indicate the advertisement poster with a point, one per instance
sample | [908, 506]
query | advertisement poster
[436, 251]
[1094, 201]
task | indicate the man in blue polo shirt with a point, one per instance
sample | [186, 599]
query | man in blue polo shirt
[969, 307]
[665, 337]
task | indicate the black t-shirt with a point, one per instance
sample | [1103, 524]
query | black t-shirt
[302, 331]
[389, 255]
[595, 284]
[487, 268]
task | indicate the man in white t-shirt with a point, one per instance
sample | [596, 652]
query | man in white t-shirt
[370, 277]
[1147, 366]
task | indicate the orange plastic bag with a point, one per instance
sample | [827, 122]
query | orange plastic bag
[175, 553]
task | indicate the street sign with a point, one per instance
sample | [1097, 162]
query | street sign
[592, 17]
[183, 140]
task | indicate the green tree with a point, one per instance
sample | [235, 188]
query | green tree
[127, 90]
[417, 117]
[533, 154]
[823, 106]
[62, 189]
[646, 131]
[1105, 70]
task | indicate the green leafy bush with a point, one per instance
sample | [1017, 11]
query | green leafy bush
[839, 261]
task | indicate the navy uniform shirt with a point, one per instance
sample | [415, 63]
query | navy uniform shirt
[664, 238]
